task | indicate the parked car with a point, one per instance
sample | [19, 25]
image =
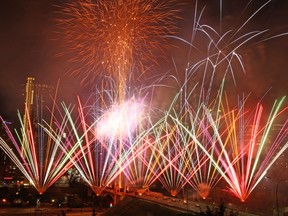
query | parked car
[17, 202]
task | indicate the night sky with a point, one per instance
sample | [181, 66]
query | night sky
[29, 47]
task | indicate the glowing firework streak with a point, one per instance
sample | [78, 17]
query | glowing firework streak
[115, 37]
[171, 158]
[93, 146]
[177, 159]
[260, 150]
[43, 160]
[207, 176]
[181, 161]
[243, 161]
[215, 53]
[203, 176]
[139, 170]
[219, 54]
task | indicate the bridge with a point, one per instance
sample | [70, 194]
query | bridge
[167, 201]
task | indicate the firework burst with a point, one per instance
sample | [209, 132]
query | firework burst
[115, 37]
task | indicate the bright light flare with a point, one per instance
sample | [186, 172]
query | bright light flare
[121, 120]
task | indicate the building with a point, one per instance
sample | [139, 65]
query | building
[37, 97]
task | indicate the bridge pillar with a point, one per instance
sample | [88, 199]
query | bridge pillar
[117, 198]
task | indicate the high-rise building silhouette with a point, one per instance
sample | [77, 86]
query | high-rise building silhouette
[37, 99]
[8, 170]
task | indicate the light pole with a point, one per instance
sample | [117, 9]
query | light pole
[272, 191]
[185, 197]
[277, 205]
[187, 200]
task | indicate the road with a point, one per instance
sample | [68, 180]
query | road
[45, 212]
[191, 206]
[153, 197]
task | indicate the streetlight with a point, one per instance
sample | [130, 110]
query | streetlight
[277, 205]
[267, 178]
[185, 196]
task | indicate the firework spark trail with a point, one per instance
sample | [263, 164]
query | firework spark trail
[194, 167]
[116, 37]
[81, 146]
[221, 53]
[95, 153]
[172, 169]
[176, 168]
[100, 173]
[214, 53]
[205, 175]
[42, 168]
[136, 166]
[259, 163]
[86, 147]
[143, 169]
[176, 152]
[210, 155]
[199, 147]
[187, 138]
[138, 171]
[247, 165]
[151, 154]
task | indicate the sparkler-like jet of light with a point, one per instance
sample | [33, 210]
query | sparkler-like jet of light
[260, 140]
[183, 161]
[116, 38]
[170, 168]
[212, 53]
[41, 159]
[93, 141]
[245, 145]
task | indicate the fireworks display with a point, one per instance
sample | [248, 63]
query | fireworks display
[116, 37]
[94, 146]
[120, 121]
[40, 158]
[119, 138]
[245, 146]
